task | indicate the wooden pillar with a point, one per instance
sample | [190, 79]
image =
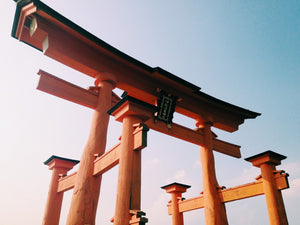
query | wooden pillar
[131, 112]
[214, 209]
[87, 187]
[176, 190]
[267, 162]
[59, 166]
[127, 198]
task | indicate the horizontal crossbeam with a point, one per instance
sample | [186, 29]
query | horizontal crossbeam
[102, 164]
[68, 91]
[60, 39]
[66, 183]
[63, 89]
[195, 137]
[107, 160]
[232, 194]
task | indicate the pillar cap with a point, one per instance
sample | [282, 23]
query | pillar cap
[129, 106]
[56, 161]
[105, 76]
[268, 157]
[176, 187]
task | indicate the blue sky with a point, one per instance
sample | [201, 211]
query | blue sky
[243, 52]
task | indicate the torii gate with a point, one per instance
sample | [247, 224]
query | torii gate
[152, 95]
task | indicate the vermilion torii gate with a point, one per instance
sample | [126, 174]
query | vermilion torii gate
[152, 95]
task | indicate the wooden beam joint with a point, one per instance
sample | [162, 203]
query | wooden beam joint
[140, 136]
[232, 194]
[194, 136]
[137, 217]
[60, 88]
[109, 159]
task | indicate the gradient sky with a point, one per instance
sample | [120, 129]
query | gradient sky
[243, 52]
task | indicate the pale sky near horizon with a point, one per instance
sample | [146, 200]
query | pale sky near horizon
[243, 52]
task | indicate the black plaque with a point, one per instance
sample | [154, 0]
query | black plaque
[166, 107]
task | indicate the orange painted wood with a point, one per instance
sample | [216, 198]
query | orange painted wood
[54, 200]
[68, 91]
[131, 113]
[60, 88]
[177, 216]
[128, 190]
[227, 148]
[63, 89]
[191, 204]
[107, 161]
[267, 162]
[86, 191]
[177, 131]
[252, 189]
[92, 55]
[26, 11]
[232, 194]
[140, 136]
[136, 181]
[36, 32]
[58, 166]
[102, 164]
[214, 210]
[66, 183]
[176, 190]
[275, 205]
[195, 137]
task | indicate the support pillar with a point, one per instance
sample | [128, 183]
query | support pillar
[59, 166]
[131, 112]
[127, 198]
[176, 190]
[267, 162]
[214, 209]
[87, 187]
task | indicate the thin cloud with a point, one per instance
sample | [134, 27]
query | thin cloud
[293, 169]
[293, 191]
[158, 212]
[197, 164]
[152, 163]
[247, 176]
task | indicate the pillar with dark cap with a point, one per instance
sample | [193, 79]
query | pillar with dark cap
[59, 166]
[131, 112]
[176, 190]
[267, 162]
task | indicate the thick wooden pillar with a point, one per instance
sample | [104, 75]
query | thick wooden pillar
[128, 191]
[267, 162]
[87, 187]
[176, 190]
[59, 166]
[214, 209]
[131, 112]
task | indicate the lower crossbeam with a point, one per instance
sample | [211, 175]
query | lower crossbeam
[232, 194]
